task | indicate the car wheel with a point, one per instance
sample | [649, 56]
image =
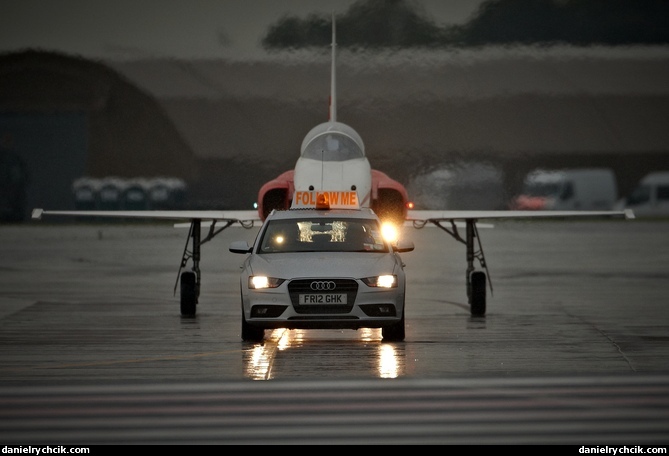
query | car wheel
[394, 333]
[478, 298]
[251, 333]
[188, 294]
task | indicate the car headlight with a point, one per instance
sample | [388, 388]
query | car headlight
[382, 281]
[259, 282]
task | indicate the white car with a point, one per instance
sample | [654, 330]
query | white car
[322, 269]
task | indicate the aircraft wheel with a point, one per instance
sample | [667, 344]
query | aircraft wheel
[394, 333]
[188, 294]
[478, 296]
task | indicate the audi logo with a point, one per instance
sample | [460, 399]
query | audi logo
[323, 285]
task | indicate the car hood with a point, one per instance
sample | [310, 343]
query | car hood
[291, 265]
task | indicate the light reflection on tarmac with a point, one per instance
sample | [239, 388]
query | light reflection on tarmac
[375, 358]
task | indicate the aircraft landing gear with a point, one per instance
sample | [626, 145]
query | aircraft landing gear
[190, 280]
[476, 280]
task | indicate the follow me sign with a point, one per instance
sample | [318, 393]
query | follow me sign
[326, 200]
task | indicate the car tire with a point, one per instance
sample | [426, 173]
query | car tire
[251, 333]
[394, 333]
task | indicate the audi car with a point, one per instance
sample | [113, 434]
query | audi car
[322, 269]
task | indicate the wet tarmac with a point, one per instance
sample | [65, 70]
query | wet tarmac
[577, 328]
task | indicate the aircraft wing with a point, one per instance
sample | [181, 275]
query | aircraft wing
[243, 217]
[419, 217]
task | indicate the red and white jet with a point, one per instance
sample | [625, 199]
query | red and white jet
[332, 159]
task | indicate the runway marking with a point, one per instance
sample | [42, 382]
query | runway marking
[564, 410]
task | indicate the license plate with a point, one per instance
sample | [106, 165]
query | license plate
[326, 298]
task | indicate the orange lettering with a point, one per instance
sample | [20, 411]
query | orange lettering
[334, 198]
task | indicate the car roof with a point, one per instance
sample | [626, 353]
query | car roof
[289, 214]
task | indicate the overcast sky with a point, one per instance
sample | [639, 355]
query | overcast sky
[121, 29]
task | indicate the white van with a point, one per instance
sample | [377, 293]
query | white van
[650, 197]
[571, 189]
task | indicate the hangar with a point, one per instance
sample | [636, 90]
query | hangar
[63, 117]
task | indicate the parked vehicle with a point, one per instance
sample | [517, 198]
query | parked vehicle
[650, 197]
[572, 189]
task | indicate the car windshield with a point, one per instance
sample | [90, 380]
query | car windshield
[322, 235]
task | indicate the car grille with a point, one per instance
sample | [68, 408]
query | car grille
[301, 286]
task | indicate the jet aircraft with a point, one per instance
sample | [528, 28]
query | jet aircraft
[333, 158]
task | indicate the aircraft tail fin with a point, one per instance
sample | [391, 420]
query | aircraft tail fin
[333, 81]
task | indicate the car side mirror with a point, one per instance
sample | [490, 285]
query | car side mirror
[403, 246]
[240, 247]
